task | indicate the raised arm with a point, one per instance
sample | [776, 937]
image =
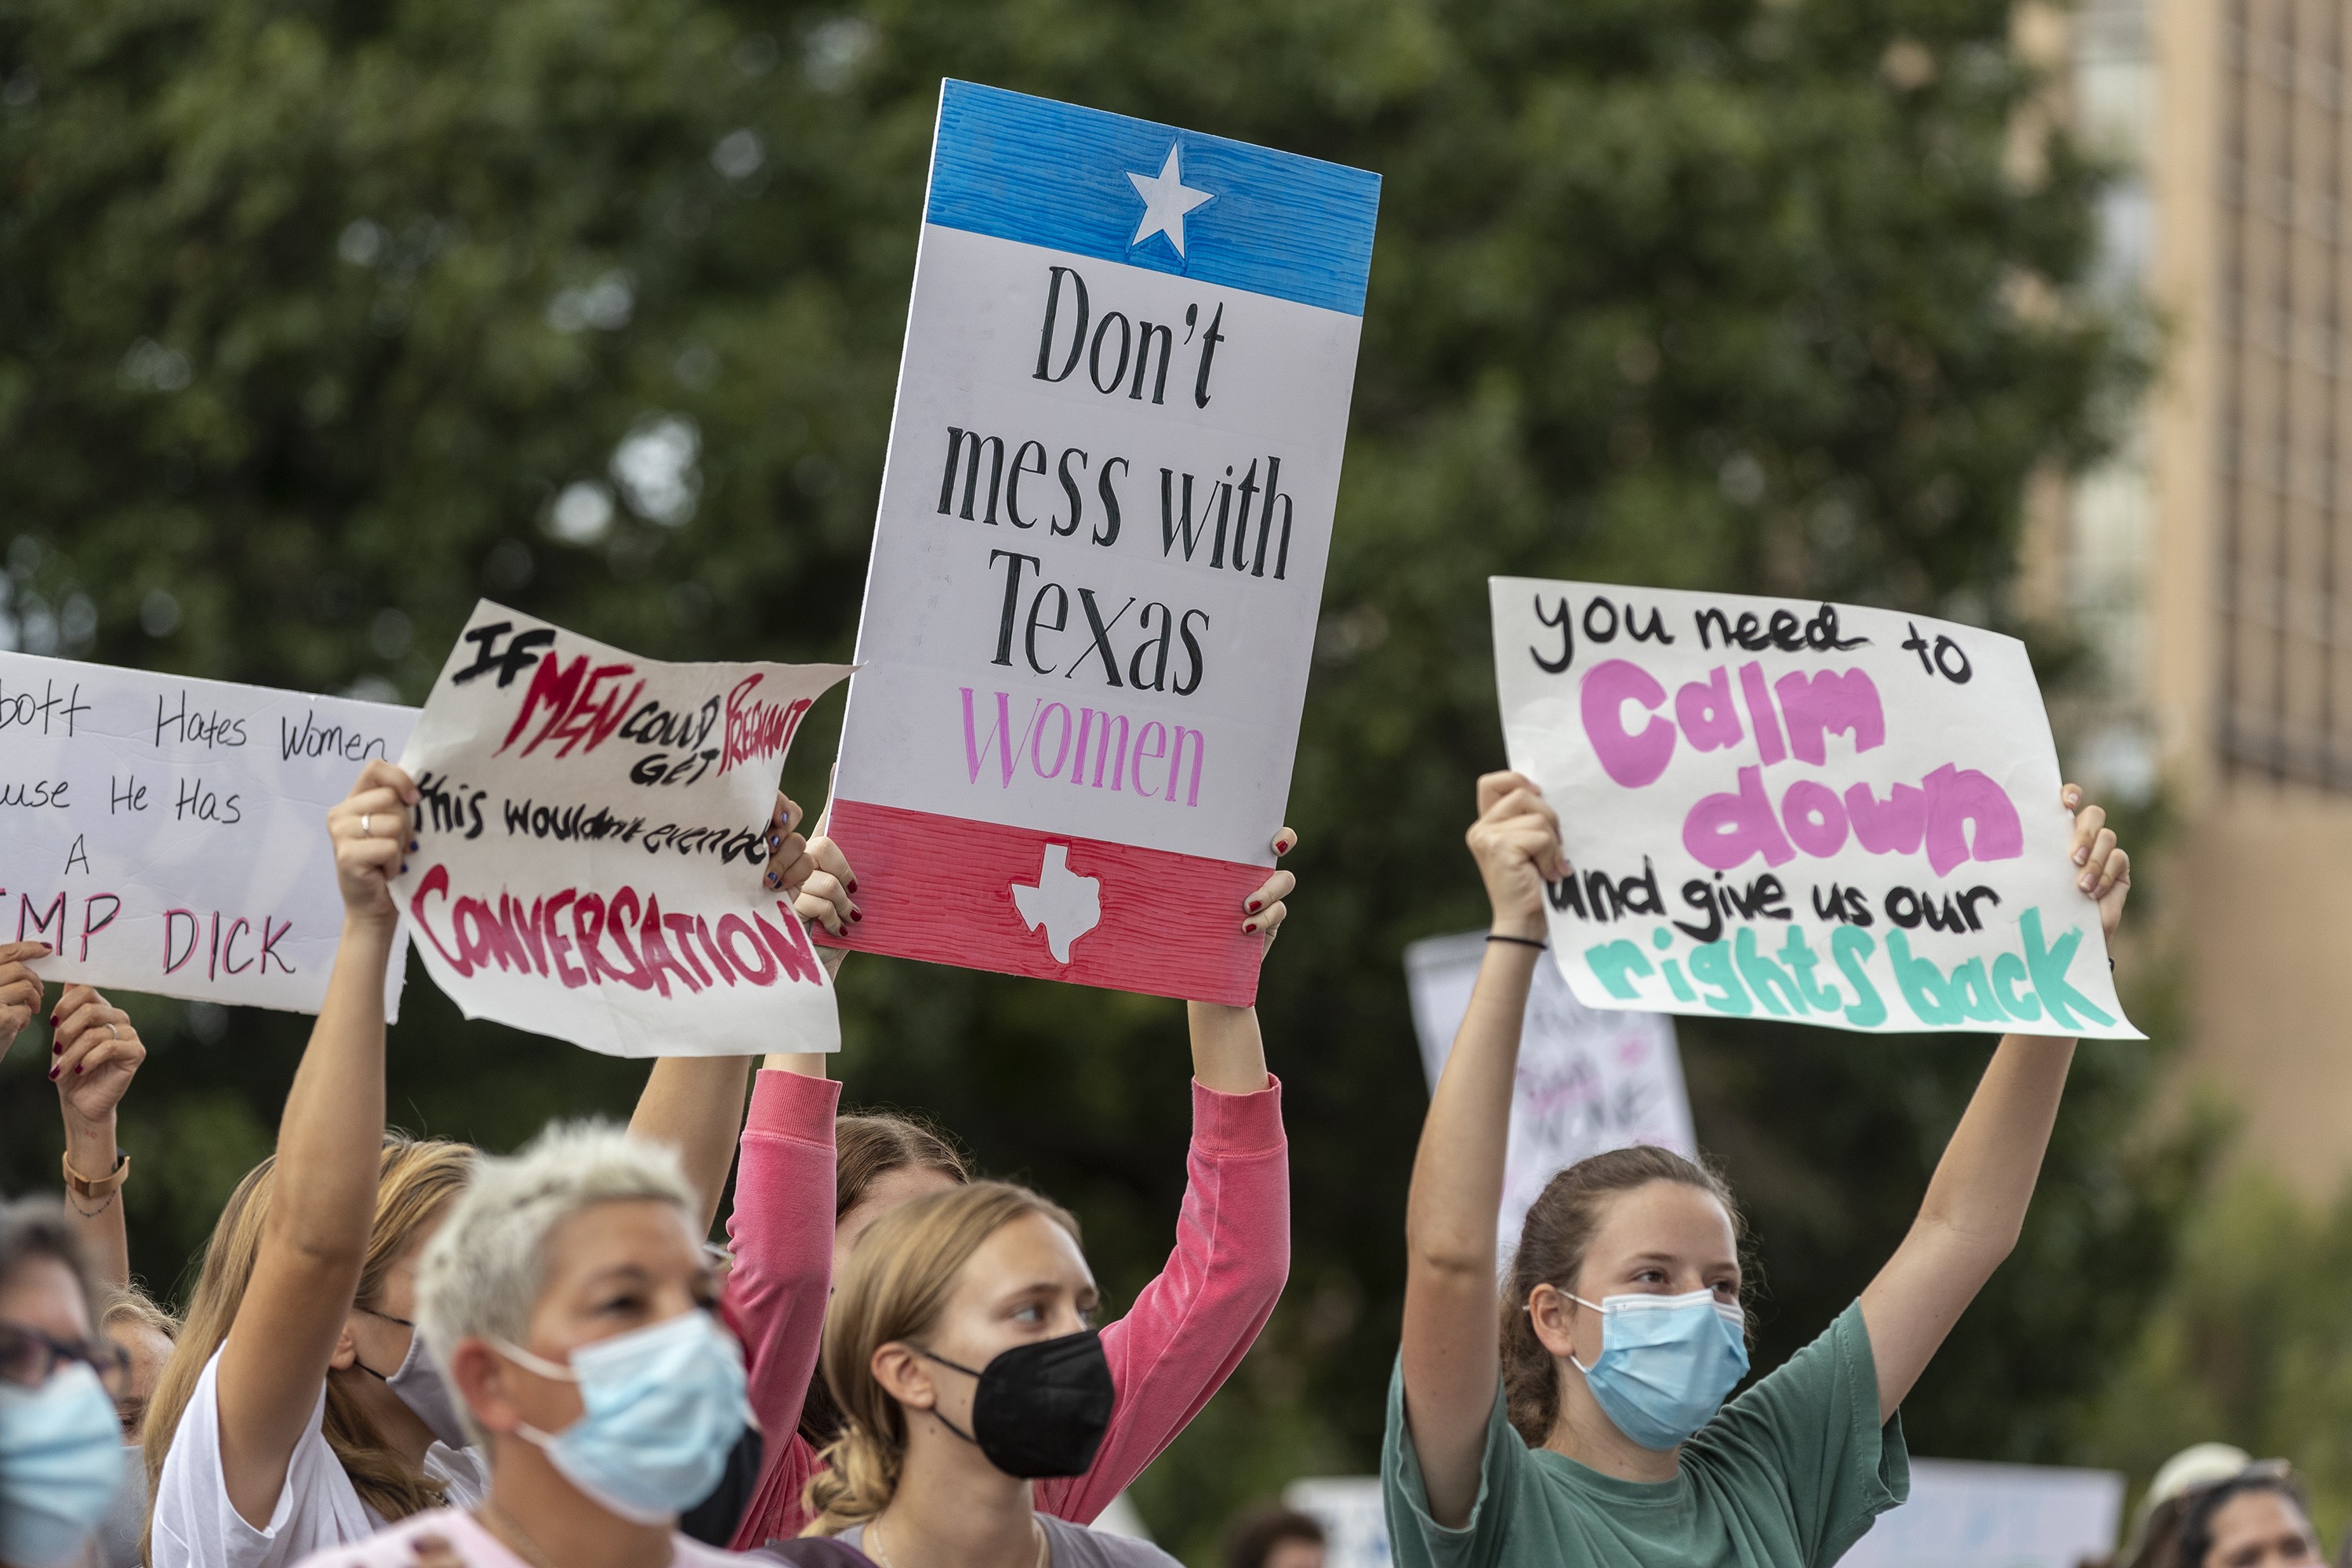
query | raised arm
[329, 1148]
[695, 1104]
[1976, 1201]
[1190, 1326]
[781, 1229]
[1451, 1352]
[94, 1052]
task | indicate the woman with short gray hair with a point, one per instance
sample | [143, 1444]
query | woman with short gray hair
[567, 1303]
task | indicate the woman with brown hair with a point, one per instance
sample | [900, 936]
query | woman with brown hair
[2214, 1505]
[962, 1353]
[1581, 1419]
[61, 1462]
[810, 1186]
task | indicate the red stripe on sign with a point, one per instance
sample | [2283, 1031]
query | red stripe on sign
[949, 890]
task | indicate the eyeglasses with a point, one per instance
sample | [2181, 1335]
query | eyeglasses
[30, 1358]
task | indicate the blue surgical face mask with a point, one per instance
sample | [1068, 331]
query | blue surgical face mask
[418, 1384]
[661, 1409]
[1665, 1363]
[61, 1462]
[126, 1516]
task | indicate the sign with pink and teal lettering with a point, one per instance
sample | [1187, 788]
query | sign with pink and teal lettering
[1098, 559]
[1787, 809]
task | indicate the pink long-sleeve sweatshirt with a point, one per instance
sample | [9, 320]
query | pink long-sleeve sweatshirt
[1175, 1347]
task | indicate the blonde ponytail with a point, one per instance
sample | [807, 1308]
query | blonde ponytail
[895, 1288]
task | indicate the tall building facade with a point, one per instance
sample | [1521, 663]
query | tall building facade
[2209, 563]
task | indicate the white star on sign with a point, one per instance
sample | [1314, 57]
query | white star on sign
[1166, 199]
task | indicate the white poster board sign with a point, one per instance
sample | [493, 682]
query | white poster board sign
[1354, 1519]
[593, 845]
[1964, 1514]
[1098, 558]
[1589, 1080]
[1775, 808]
[169, 835]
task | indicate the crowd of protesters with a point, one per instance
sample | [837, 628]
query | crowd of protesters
[407, 1352]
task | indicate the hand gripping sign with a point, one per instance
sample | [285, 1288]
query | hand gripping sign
[592, 845]
[1099, 553]
[169, 835]
[1784, 809]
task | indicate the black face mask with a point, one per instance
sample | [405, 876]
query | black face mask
[1041, 1409]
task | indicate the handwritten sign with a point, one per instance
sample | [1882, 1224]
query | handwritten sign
[1821, 813]
[1589, 1082]
[593, 850]
[1099, 554]
[1966, 1514]
[169, 835]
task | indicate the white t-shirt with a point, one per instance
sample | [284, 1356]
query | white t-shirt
[448, 1538]
[195, 1525]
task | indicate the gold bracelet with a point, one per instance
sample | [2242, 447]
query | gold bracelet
[105, 1186]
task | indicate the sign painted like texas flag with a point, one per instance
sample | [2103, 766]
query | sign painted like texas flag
[1099, 555]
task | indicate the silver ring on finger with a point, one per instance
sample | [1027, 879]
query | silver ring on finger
[364, 825]
[113, 1031]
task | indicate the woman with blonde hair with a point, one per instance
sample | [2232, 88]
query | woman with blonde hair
[143, 1331]
[300, 1410]
[810, 1184]
[962, 1353]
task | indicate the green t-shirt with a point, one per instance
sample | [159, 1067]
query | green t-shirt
[1788, 1474]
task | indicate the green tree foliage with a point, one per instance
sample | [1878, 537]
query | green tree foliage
[317, 318]
[2245, 1345]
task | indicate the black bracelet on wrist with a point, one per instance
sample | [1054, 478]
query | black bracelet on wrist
[1519, 941]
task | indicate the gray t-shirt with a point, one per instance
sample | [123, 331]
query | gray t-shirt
[1072, 1545]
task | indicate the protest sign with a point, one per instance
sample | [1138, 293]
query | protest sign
[1353, 1513]
[593, 845]
[1966, 1514]
[1098, 557]
[1776, 808]
[1589, 1082]
[169, 835]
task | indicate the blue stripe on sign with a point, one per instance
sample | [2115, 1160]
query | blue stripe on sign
[1054, 175]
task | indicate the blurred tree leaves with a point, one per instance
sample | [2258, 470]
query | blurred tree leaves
[2246, 1346]
[318, 319]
